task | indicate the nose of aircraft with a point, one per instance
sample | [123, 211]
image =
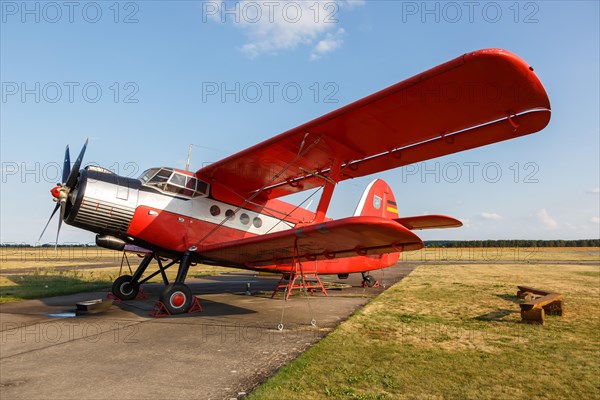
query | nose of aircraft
[60, 192]
[55, 191]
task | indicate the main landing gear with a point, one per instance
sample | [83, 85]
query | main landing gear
[176, 297]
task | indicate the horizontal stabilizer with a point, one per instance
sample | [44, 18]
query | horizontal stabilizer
[429, 222]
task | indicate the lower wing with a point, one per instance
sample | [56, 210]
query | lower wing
[347, 237]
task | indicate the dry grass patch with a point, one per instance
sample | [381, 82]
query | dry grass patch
[511, 254]
[453, 332]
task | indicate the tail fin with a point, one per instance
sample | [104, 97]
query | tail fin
[377, 201]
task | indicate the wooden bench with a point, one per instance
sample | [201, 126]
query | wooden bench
[538, 303]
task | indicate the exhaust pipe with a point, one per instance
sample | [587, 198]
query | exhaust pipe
[110, 242]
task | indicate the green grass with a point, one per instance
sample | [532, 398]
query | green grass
[48, 283]
[453, 332]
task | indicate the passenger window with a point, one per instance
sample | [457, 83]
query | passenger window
[202, 187]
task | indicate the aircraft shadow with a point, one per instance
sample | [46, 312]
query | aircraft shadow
[209, 309]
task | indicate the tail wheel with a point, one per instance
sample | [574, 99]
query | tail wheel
[177, 298]
[124, 288]
[369, 280]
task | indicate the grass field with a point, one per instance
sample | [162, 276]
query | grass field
[453, 332]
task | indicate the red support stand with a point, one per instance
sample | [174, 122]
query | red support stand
[305, 283]
[141, 294]
[160, 310]
[112, 297]
[196, 307]
[299, 273]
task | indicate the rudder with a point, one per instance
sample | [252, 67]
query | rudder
[377, 200]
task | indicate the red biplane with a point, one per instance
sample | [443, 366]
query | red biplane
[229, 213]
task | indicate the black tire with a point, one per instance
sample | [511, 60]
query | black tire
[369, 280]
[177, 298]
[124, 289]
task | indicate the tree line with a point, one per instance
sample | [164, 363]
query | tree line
[513, 243]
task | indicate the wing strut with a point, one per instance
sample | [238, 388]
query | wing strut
[303, 150]
[334, 176]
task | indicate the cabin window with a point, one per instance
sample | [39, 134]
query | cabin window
[257, 222]
[215, 211]
[174, 182]
[244, 219]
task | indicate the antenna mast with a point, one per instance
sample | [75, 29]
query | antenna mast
[187, 165]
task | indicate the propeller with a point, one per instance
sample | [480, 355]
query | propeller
[61, 191]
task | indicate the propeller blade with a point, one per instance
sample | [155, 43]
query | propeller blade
[66, 166]
[75, 170]
[50, 219]
[63, 205]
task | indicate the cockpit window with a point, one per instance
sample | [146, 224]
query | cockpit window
[146, 175]
[170, 181]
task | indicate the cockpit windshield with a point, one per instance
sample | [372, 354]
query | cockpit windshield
[174, 182]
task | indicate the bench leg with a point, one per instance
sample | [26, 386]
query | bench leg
[534, 316]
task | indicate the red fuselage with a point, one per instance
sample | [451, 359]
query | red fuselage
[169, 211]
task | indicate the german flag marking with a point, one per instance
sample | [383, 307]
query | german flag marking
[392, 209]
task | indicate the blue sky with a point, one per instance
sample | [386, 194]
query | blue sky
[144, 79]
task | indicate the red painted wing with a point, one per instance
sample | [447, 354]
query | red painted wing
[477, 99]
[334, 239]
[429, 222]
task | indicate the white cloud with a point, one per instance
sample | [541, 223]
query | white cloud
[354, 3]
[546, 219]
[594, 191]
[490, 215]
[271, 27]
[595, 220]
[329, 44]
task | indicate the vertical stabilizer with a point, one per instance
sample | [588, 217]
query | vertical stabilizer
[377, 201]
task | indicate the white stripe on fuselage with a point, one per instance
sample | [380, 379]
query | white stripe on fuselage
[199, 208]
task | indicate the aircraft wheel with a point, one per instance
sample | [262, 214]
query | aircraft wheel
[177, 298]
[369, 280]
[124, 288]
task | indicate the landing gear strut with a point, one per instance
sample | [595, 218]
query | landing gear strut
[177, 297]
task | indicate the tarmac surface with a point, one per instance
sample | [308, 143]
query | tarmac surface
[222, 352]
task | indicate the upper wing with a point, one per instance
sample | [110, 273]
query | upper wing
[429, 222]
[333, 239]
[477, 99]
